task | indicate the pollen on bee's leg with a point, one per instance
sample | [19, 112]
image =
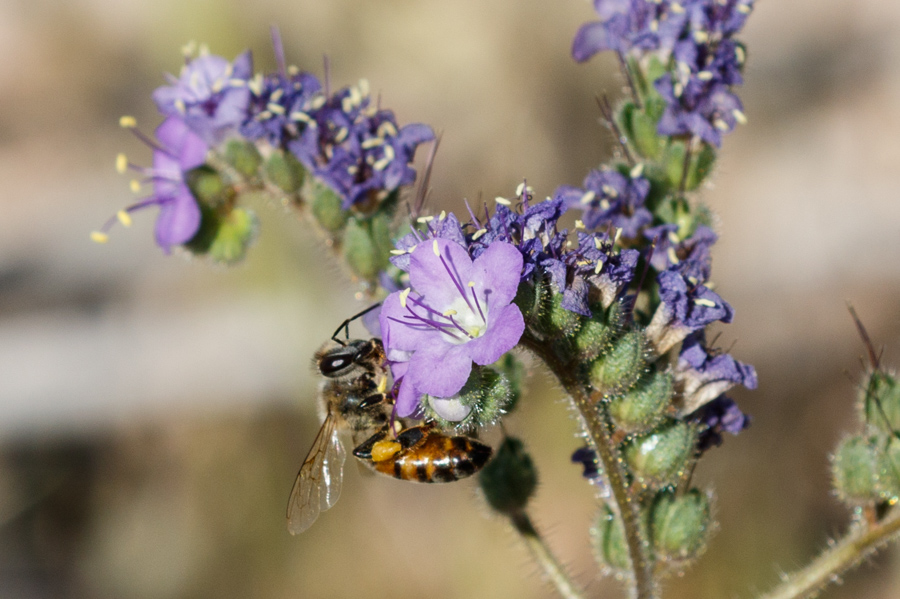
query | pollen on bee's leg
[384, 450]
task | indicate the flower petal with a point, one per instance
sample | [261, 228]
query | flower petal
[440, 370]
[504, 331]
[430, 277]
[178, 220]
[497, 274]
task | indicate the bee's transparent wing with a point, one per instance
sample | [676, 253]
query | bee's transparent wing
[318, 483]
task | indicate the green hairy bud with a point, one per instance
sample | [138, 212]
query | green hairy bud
[881, 402]
[888, 464]
[509, 479]
[597, 332]
[608, 540]
[285, 171]
[701, 164]
[486, 394]
[660, 457]
[681, 525]
[642, 407]
[209, 187]
[367, 245]
[560, 320]
[855, 470]
[622, 365]
[243, 157]
[325, 205]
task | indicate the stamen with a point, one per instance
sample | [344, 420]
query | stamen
[478, 234]
[637, 171]
[503, 201]
[477, 303]
[98, 237]
[404, 295]
[127, 122]
[124, 218]
[705, 302]
[135, 186]
[121, 163]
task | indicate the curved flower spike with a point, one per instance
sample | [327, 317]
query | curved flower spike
[458, 311]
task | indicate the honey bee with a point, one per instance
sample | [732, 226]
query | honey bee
[353, 397]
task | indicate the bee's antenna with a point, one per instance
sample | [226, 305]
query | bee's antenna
[345, 326]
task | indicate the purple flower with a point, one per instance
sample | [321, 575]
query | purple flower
[280, 106]
[210, 95]
[684, 307]
[177, 151]
[691, 257]
[457, 311]
[718, 416]
[627, 25]
[703, 374]
[610, 198]
[355, 148]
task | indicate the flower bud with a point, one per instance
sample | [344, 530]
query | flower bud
[224, 235]
[367, 245]
[243, 157]
[681, 525]
[511, 367]
[325, 205]
[643, 406]
[285, 171]
[701, 165]
[562, 321]
[855, 470]
[881, 402]
[597, 332]
[621, 366]
[209, 187]
[639, 127]
[888, 465]
[481, 402]
[659, 458]
[509, 479]
[608, 540]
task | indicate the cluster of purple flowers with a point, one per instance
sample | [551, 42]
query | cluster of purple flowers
[695, 38]
[452, 318]
[343, 139]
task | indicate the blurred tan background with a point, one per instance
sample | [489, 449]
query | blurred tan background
[154, 410]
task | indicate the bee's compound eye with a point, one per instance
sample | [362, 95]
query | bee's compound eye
[333, 364]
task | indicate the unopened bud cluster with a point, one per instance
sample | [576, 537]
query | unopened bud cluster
[866, 467]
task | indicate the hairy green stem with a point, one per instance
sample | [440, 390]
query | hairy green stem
[594, 422]
[552, 568]
[861, 541]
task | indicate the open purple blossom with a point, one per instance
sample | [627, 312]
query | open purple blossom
[703, 374]
[456, 312]
[610, 198]
[698, 95]
[210, 95]
[177, 150]
[356, 148]
[719, 415]
[627, 25]
[582, 273]
[684, 307]
[691, 257]
[280, 105]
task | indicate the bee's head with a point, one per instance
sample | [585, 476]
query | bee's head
[351, 359]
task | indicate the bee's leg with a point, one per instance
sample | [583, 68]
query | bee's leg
[364, 449]
[378, 448]
[413, 435]
[373, 400]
